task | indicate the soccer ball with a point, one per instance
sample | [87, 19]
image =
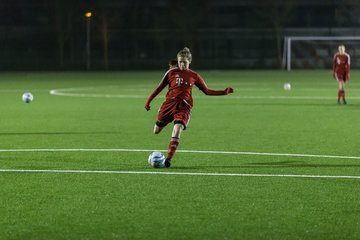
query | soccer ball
[287, 86]
[27, 97]
[157, 159]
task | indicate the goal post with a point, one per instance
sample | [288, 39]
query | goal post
[316, 51]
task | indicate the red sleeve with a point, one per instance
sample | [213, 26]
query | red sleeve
[200, 83]
[348, 64]
[162, 85]
[347, 67]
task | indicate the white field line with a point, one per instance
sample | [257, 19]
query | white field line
[66, 92]
[181, 151]
[22, 90]
[76, 92]
[179, 173]
[96, 95]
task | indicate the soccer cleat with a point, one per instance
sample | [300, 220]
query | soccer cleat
[167, 163]
[338, 102]
[344, 101]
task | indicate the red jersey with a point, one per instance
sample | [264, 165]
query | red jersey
[341, 63]
[180, 84]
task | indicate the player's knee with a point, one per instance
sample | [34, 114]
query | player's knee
[179, 126]
[157, 129]
[159, 126]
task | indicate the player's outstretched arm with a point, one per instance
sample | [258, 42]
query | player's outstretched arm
[202, 86]
[211, 92]
[229, 90]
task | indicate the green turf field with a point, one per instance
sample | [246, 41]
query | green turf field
[287, 162]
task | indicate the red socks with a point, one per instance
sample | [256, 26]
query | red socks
[174, 142]
[341, 94]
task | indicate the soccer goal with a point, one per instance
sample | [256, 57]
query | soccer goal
[317, 52]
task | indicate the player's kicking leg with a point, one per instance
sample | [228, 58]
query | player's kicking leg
[174, 142]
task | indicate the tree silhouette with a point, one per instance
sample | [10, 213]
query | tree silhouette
[274, 14]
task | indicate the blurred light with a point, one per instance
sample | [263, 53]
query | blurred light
[88, 14]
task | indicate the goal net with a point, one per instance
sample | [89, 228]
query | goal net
[318, 52]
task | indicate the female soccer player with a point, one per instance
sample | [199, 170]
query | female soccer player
[178, 103]
[341, 71]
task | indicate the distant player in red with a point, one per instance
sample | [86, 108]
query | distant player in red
[173, 63]
[178, 103]
[341, 71]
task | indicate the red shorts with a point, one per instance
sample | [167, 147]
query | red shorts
[177, 110]
[341, 76]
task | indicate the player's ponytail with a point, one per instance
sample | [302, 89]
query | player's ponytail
[185, 52]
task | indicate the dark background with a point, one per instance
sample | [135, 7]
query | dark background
[139, 34]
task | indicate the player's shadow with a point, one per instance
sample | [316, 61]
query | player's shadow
[54, 133]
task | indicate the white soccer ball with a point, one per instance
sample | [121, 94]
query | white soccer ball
[287, 86]
[27, 97]
[157, 159]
